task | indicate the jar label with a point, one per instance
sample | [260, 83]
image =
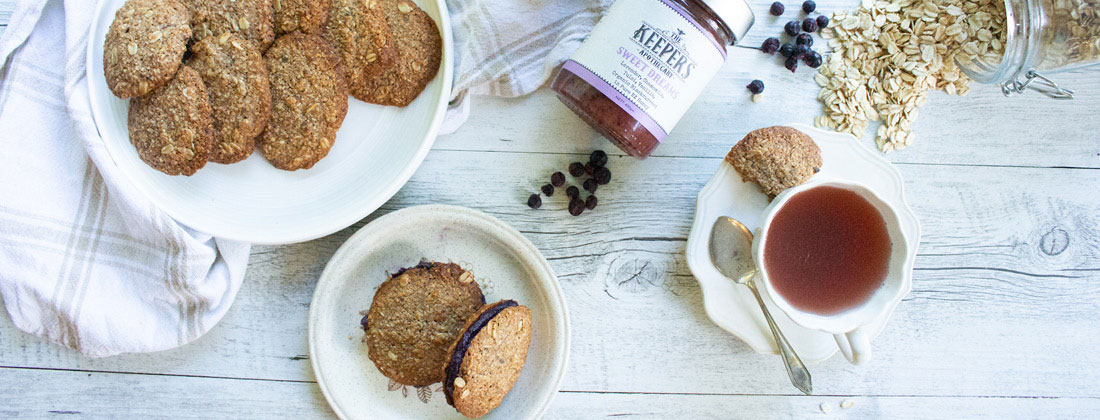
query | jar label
[651, 58]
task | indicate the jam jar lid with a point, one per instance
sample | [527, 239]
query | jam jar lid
[735, 13]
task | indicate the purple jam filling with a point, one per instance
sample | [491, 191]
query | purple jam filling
[464, 344]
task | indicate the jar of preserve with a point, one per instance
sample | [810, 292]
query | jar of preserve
[644, 64]
[1042, 37]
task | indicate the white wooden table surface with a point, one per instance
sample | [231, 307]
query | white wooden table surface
[1003, 321]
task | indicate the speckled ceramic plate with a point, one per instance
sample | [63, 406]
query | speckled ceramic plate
[376, 151]
[506, 265]
[733, 306]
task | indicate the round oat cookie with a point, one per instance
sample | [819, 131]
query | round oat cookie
[235, 75]
[307, 16]
[775, 158]
[414, 318]
[360, 34]
[487, 359]
[145, 46]
[172, 127]
[252, 19]
[309, 99]
[419, 51]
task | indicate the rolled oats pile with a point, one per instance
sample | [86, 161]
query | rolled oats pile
[888, 54]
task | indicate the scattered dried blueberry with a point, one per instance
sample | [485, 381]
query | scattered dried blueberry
[548, 190]
[801, 51]
[822, 22]
[791, 63]
[576, 169]
[558, 179]
[572, 191]
[770, 45]
[602, 176]
[598, 158]
[809, 6]
[786, 49]
[809, 25]
[756, 86]
[777, 9]
[589, 168]
[591, 202]
[813, 60]
[792, 28]
[534, 201]
[576, 206]
[590, 185]
[804, 39]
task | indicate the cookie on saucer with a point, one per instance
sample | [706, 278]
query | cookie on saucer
[775, 158]
[414, 318]
[145, 46]
[487, 358]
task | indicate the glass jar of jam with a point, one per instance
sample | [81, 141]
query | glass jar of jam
[645, 63]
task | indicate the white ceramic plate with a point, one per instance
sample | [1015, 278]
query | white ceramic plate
[505, 264]
[376, 151]
[733, 306]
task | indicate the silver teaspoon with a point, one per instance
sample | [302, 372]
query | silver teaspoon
[731, 253]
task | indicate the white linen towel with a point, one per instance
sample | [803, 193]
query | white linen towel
[89, 262]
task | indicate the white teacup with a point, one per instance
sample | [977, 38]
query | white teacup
[847, 327]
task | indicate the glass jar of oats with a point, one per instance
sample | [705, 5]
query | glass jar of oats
[1040, 38]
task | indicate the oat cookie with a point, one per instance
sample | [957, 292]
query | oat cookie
[487, 359]
[360, 34]
[144, 46]
[172, 127]
[252, 19]
[309, 99]
[419, 50]
[414, 318]
[776, 158]
[236, 78]
[307, 16]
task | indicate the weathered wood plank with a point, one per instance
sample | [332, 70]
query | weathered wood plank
[1006, 295]
[982, 128]
[34, 394]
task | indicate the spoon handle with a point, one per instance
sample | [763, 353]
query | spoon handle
[800, 376]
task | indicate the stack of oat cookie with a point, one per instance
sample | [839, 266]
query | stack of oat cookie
[211, 80]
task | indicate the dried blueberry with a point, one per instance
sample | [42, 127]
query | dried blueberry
[791, 63]
[591, 202]
[809, 25]
[804, 39]
[809, 6]
[813, 60]
[576, 206]
[786, 49]
[558, 179]
[777, 9]
[534, 201]
[572, 191]
[576, 169]
[590, 185]
[792, 28]
[548, 190]
[801, 51]
[822, 22]
[770, 45]
[602, 176]
[756, 86]
[589, 168]
[598, 158]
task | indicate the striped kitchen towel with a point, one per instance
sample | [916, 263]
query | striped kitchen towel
[86, 260]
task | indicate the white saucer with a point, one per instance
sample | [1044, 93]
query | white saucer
[504, 263]
[733, 306]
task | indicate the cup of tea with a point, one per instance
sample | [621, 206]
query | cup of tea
[832, 256]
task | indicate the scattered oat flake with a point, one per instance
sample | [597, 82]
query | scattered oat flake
[847, 404]
[825, 407]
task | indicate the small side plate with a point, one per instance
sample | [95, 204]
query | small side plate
[732, 306]
[505, 264]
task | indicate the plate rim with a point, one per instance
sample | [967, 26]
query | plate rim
[350, 217]
[428, 210]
